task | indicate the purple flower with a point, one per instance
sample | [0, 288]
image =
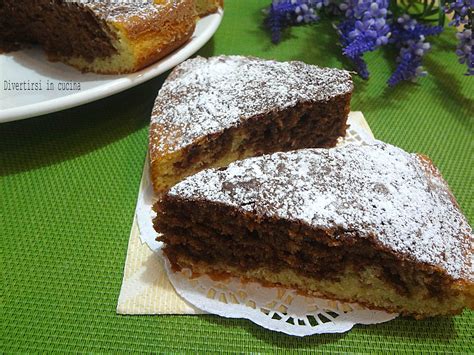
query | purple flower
[305, 13]
[283, 13]
[361, 67]
[409, 61]
[407, 28]
[464, 50]
[364, 29]
[461, 10]
[368, 25]
[410, 37]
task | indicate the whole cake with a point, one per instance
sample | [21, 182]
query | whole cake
[213, 111]
[369, 224]
[99, 36]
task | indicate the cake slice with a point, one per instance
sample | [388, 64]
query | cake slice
[369, 224]
[213, 111]
[108, 37]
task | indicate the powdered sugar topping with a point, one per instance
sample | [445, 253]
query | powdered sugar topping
[117, 11]
[378, 190]
[204, 96]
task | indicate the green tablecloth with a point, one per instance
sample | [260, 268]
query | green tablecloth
[68, 190]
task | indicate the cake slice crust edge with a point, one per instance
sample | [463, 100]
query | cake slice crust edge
[382, 299]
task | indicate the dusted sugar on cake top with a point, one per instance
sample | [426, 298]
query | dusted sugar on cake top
[213, 111]
[370, 224]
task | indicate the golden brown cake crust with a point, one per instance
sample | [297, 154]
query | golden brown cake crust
[101, 37]
[207, 7]
[151, 30]
[219, 274]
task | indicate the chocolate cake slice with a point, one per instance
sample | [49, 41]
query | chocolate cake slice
[107, 37]
[213, 111]
[369, 224]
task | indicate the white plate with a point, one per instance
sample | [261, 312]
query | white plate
[31, 65]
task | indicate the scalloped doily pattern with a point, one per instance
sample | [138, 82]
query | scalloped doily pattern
[274, 308]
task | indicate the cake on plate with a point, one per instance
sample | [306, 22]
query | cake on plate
[206, 7]
[210, 112]
[100, 36]
[371, 224]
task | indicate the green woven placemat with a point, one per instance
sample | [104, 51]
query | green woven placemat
[68, 190]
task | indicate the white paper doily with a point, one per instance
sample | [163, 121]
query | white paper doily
[274, 308]
[277, 309]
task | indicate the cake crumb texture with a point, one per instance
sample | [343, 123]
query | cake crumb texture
[396, 199]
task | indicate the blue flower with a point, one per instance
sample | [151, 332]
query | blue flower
[364, 29]
[462, 11]
[368, 25]
[464, 50]
[361, 67]
[283, 13]
[409, 36]
[407, 28]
